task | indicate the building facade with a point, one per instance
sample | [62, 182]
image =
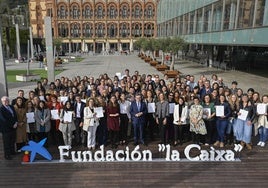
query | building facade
[95, 25]
[231, 31]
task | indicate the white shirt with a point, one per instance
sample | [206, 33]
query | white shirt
[78, 110]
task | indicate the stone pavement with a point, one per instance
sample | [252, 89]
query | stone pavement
[96, 65]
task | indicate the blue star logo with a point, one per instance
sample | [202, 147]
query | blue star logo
[39, 148]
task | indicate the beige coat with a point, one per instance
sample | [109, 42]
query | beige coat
[21, 133]
[89, 119]
[65, 127]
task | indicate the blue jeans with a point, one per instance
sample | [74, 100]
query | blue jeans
[138, 131]
[243, 131]
[221, 128]
[230, 127]
[263, 132]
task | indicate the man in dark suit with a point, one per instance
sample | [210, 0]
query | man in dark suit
[20, 94]
[79, 119]
[138, 111]
[8, 125]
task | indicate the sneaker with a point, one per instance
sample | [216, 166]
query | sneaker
[242, 143]
[221, 144]
[216, 143]
[259, 143]
[262, 144]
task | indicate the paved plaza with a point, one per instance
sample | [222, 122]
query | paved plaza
[111, 64]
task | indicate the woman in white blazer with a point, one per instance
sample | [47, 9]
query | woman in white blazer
[180, 116]
[91, 123]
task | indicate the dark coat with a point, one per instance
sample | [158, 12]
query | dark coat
[134, 110]
[7, 120]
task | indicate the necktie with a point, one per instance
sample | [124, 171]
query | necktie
[139, 106]
[10, 110]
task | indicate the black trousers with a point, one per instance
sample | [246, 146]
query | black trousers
[150, 126]
[163, 131]
[102, 130]
[123, 127]
[211, 131]
[178, 132]
[78, 131]
[9, 139]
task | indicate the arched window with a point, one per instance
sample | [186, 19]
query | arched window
[113, 31]
[124, 12]
[75, 12]
[75, 30]
[87, 30]
[150, 11]
[100, 30]
[87, 12]
[62, 12]
[112, 12]
[137, 11]
[136, 30]
[99, 12]
[63, 30]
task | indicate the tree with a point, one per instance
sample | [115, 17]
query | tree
[57, 42]
[174, 46]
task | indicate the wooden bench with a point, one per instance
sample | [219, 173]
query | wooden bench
[154, 63]
[162, 67]
[172, 73]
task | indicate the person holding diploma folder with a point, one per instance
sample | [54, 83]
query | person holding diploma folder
[262, 123]
[162, 114]
[180, 117]
[244, 125]
[42, 120]
[67, 123]
[222, 120]
[209, 113]
[91, 122]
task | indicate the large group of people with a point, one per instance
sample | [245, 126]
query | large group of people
[90, 112]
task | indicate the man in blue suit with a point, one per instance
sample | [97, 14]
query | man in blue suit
[138, 111]
[8, 125]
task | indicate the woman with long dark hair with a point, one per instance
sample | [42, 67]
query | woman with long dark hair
[113, 113]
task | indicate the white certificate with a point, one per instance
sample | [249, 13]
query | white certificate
[42, 98]
[244, 114]
[63, 99]
[55, 114]
[206, 113]
[99, 112]
[84, 100]
[219, 111]
[68, 116]
[261, 108]
[30, 117]
[88, 87]
[171, 108]
[151, 107]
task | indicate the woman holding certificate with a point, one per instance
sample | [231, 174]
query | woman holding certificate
[55, 107]
[180, 116]
[197, 124]
[150, 120]
[31, 129]
[209, 113]
[245, 117]
[262, 123]
[42, 120]
[67, 123]
[91, 123]
[223, 112]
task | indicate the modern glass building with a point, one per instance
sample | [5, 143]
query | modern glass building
[231, 31]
